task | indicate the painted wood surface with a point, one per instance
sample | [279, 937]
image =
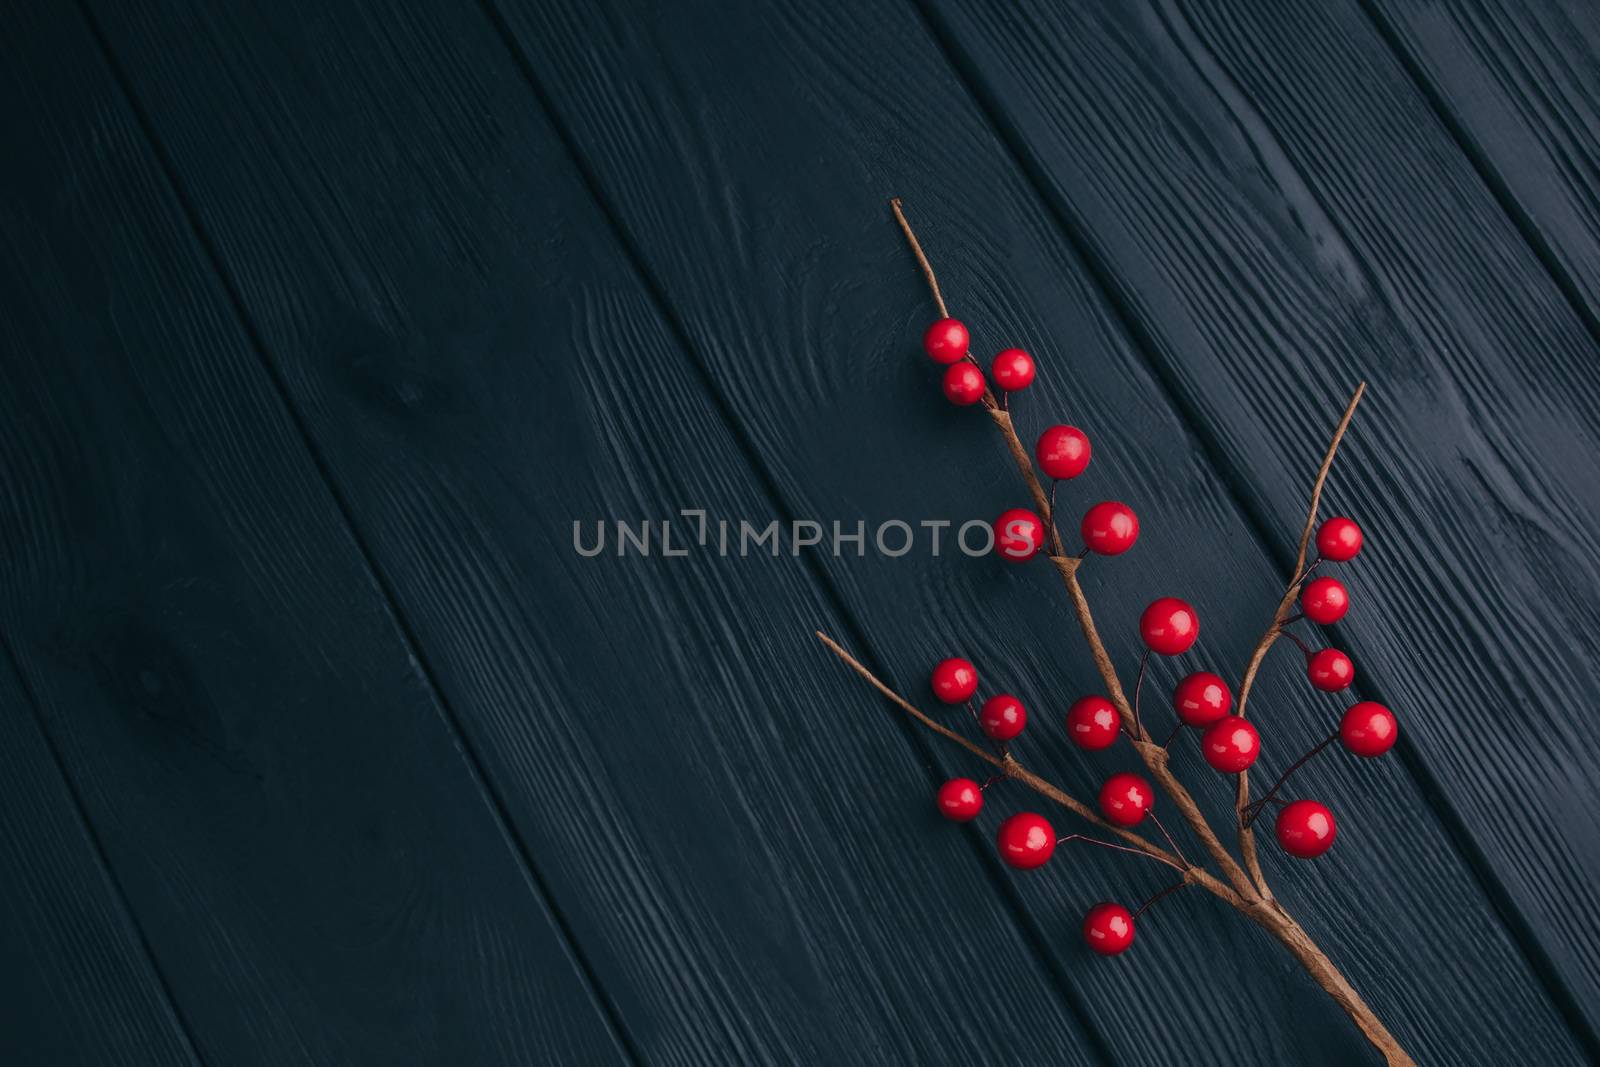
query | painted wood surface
[325, 322]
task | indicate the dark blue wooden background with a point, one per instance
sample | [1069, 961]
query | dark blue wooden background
[321, 323]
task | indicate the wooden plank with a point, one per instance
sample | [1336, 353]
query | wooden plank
[748, 149]
[78, 986]
[744, 847]
[1516, 84]
[1279, 211]
[319, 876]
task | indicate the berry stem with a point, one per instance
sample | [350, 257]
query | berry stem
[1173, 888]
[1138, 688]
[1173, 845]
[1173, 736]
[1256, 808]
[1180, 867]
[1291, 635]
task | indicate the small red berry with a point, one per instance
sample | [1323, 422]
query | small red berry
[1330, 670]
[1012, 370]
[1018, 535]
[1231, 744]
[960, 800]
[1169, 626]
[1003, 717]
[946, 341]
[963, 384]
[1306, 829]
[1108, 929]
[1369, 729]
[1093, 723]
[1026, 840]
[1125, 798]
[1110, 528]
[1338, 539]
[1201, 699]
[955, 680]
[1325, 601]
[1062, 451]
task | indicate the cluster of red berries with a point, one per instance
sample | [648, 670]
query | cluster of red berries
[1168, 627]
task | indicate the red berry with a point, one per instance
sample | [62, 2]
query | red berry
[963, 384]
[1018, 535]
[1169, 626]
[960, 800]
[1338, 539]
[1231, 744]
[1026, 840]
[1003, 717]
[955, 680]
[1306, 829]
[1330, 670]
[1125, 798]
[1325, 600]
[1062, 451]
[1110, 528]
[1108, 929]
[1201, 699]
[1369, 729]
[1093, 723]
[946, 341]
[1012, 370]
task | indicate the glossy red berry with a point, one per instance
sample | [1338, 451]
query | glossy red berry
[946, 341]
[1003, 717]
[960, 800]
[1201, 699]
[1062, 451]
[1092, 723]
[1110, 528]
[1124, 799]
[1169, 626]
[963, 384]
[1018, 535]
[1306, 829]
[1325, 601]
[1026, 840]
[1330, 670]
[1338, 539]
[955, 680]
[1012, 370]
[1108, 929]
[1369, 729]
[1231, 744]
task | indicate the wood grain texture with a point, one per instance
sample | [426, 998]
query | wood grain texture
[1277, 209]
[746, 850]
[747, 151]
[315, 869]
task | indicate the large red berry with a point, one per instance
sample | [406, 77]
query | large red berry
[946, 341]
[955, 680]
[1169, 626]
[1330, 670]
[1003, 717]
[1018, 535]
[1110, 528]
[1338, 539]
[1012, 370]
[1231, 744]
[1201, 699]
[1369, 729]
[1125, 798]
[1325, 601]
[963, 383]
[1026, 840]
[1093, 723]
[1108, 929]
[1062, 451]
[1306, 829]
[960, 800]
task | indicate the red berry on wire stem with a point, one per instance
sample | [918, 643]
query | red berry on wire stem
[955, 680]
[960, 800]
[1026, 840]
[1108, 929]
[1338, 539]
[1125, 798]
[1325, 601]
[1018, 535]
[1002, 717]
[1093, 723]
[1330, 670]
[1306, 829]
[1201, 699]
[1231, 744]
[946, 341]
[963, 384]
[1063, 452]
[1369, 729]
[1169, 626]
[1012, 370]
[1110, 528]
